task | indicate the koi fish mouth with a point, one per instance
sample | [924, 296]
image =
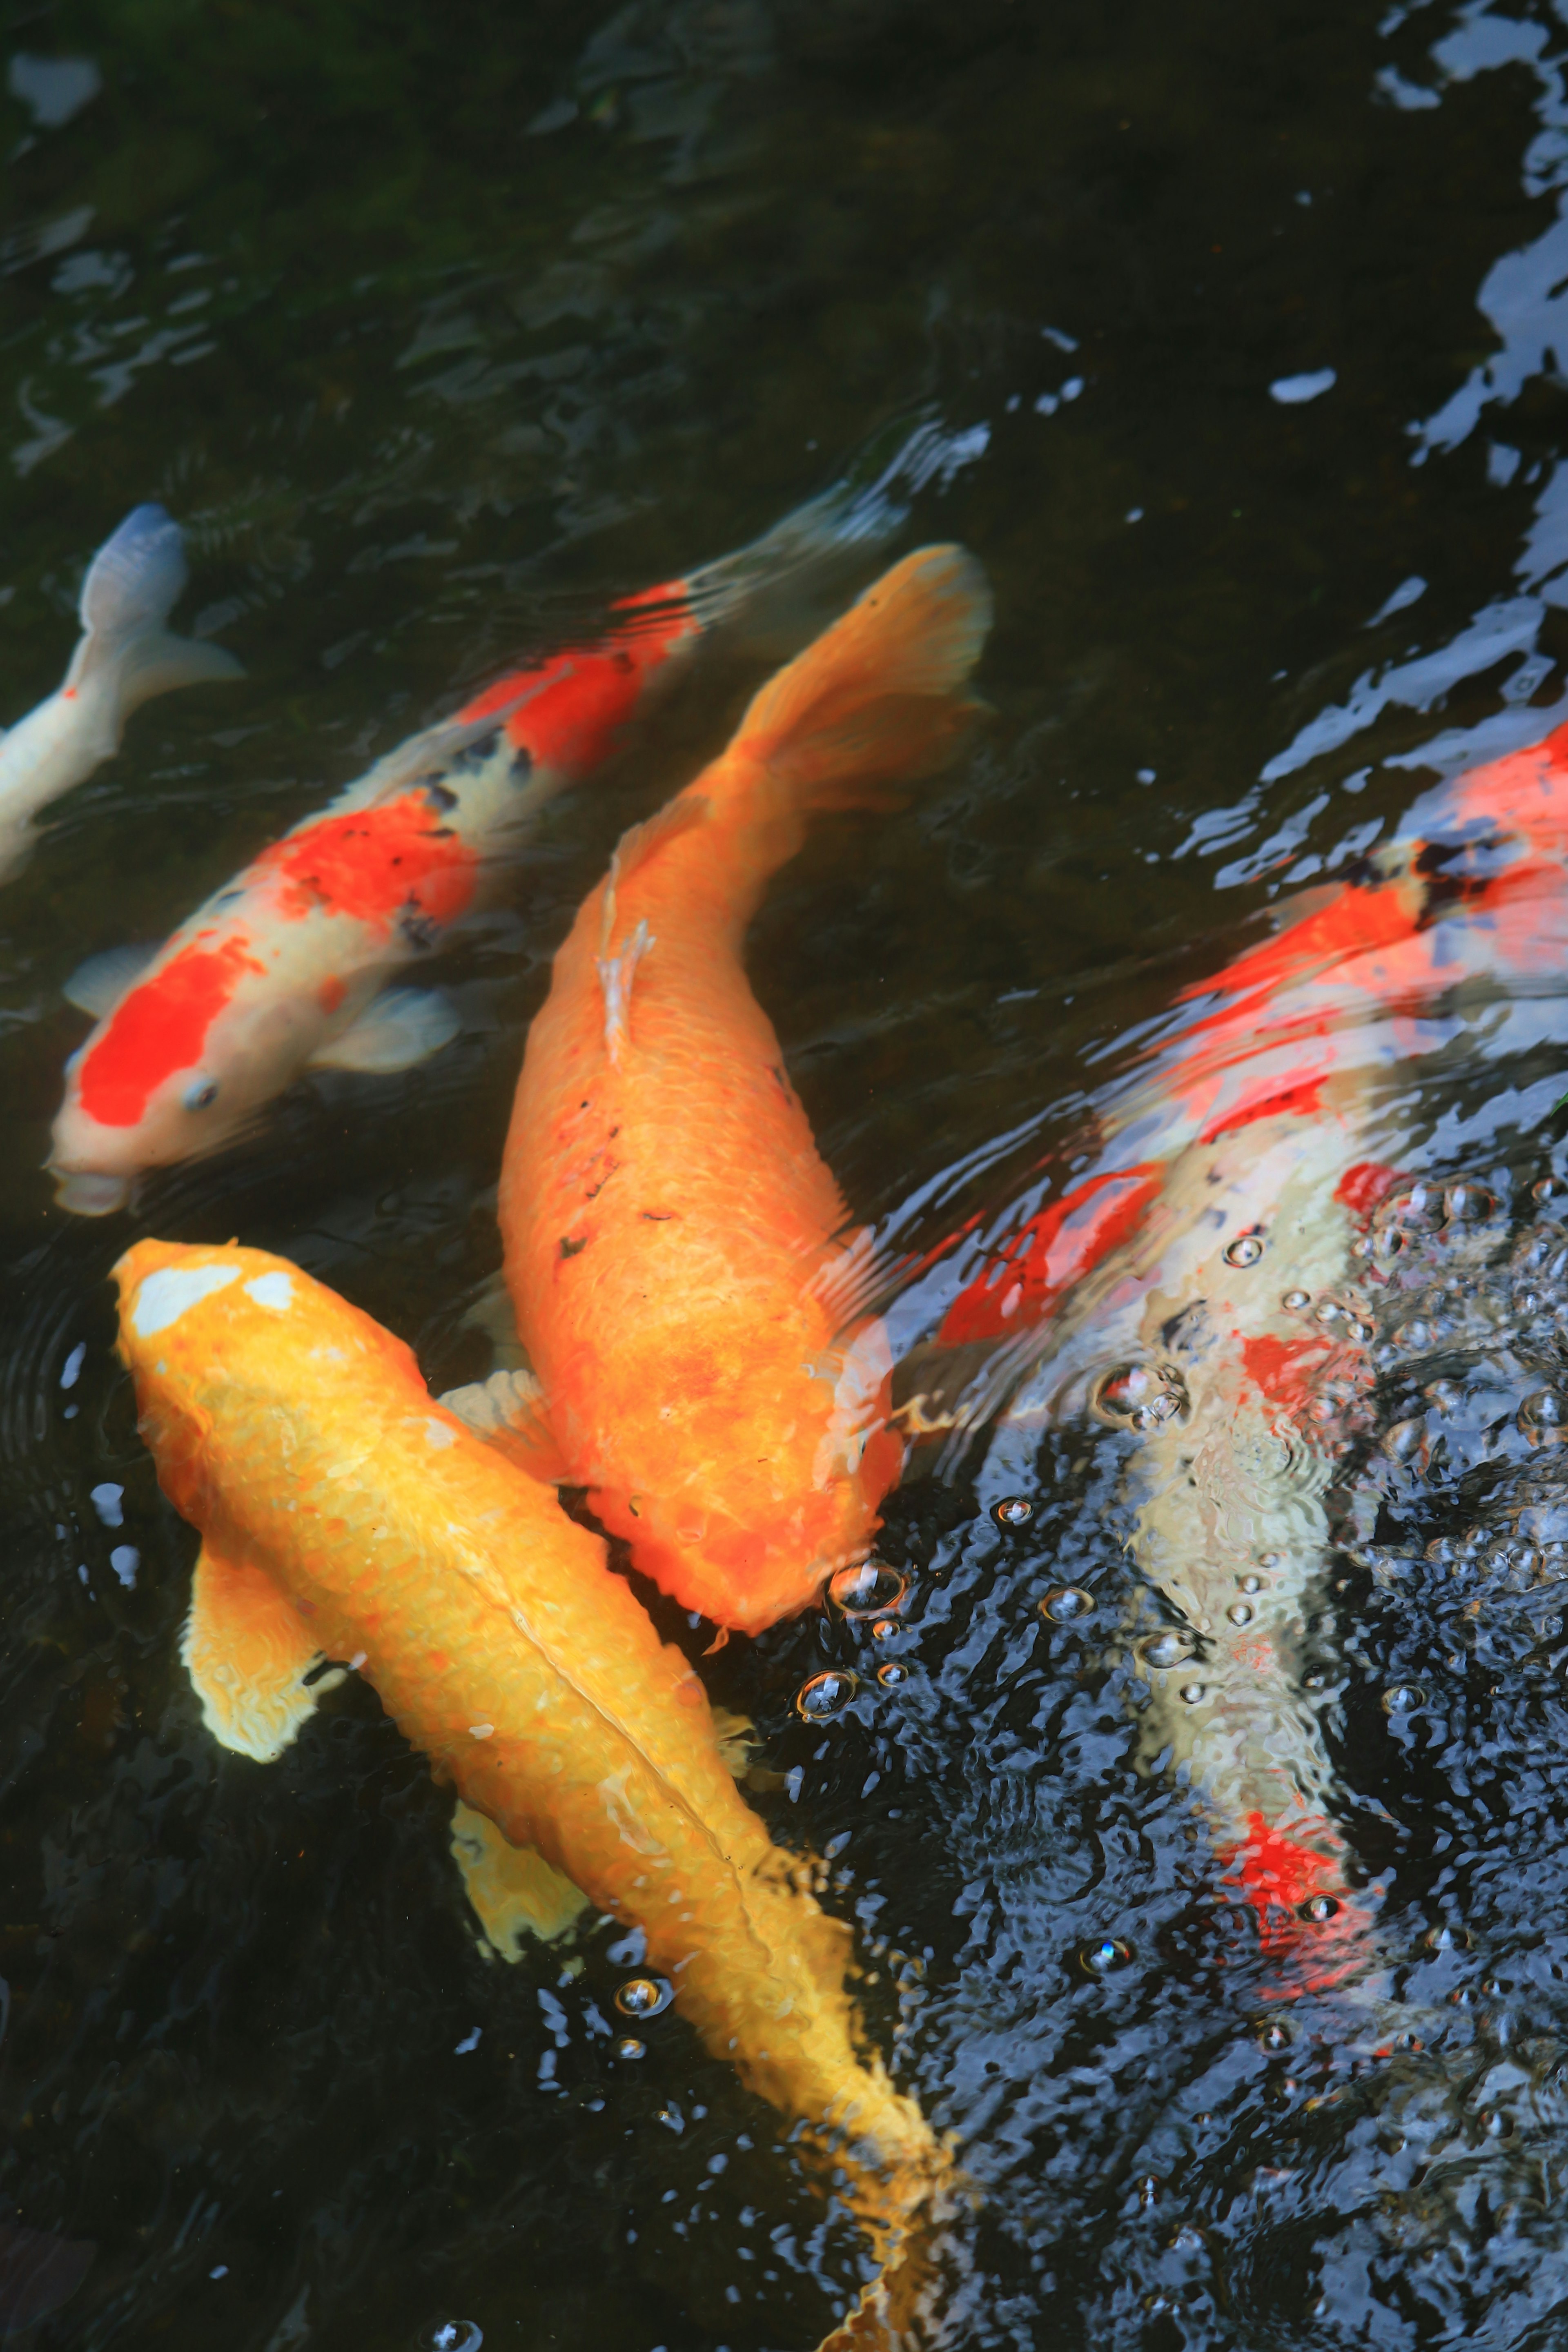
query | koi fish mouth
[88, 1195]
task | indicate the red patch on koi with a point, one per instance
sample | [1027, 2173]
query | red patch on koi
[1282, 1369]
[1054, 1249]
[372, 864]
[1361, 1188]
[577, 702]
[159, 1028]
[330, 995]
[1285, 1102]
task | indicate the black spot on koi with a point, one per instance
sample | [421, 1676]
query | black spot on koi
[571, 1248]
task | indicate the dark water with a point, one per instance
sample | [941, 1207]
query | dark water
[438, 327]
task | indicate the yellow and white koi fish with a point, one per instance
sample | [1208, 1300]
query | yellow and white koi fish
[346, 1515]
[123, 657]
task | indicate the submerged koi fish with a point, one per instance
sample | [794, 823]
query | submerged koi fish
[675, 1246]
[125, 656]
[286, 967]
[344, 1514]
[1213, 1282]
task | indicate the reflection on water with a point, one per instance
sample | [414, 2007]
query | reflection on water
[437, 337]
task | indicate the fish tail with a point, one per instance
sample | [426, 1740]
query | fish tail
[759, 587]
[880, 694]
[903, 2220]
[130, 588]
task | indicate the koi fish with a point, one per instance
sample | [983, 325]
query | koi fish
[344, 1514]
[286, 968]
[1216, 1280]
[675, 1246]
[123, 657]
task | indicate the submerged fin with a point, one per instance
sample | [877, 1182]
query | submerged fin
[132, 584]
[508, 1412]
[247, 1653]
[493, 1313]
[513, 1890]
[880, 693]
[812, 545]
[98, 986]
[396, 1031]
[736, 1736]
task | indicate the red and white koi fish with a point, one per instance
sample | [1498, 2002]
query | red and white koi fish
[123, 657]
[1212, 1283]
[286, 967]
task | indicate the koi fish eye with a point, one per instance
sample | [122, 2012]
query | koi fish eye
[202, 1095]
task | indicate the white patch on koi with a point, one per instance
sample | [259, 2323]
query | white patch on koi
[274, 1290]
[169, 1293]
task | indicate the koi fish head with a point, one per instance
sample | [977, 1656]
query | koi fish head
[752, 1492]
[173, 1072]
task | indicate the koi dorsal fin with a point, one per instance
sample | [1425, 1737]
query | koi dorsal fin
[513, 1890]
[247, 1653]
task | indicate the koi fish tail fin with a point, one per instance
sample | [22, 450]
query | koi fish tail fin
[895, 2311]
[131, 585]
[762, 587]
[880, 695]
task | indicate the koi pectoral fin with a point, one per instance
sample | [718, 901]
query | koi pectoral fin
[247, 1653]
[98, 986]
[513, 1890]
[397, 1030]
[508, 1412]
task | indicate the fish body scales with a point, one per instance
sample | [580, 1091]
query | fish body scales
[298, 1438]
[676, 1248]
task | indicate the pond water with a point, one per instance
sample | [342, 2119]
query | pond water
[437, 329]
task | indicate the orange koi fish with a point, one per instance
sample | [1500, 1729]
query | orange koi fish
[344, 1514]
[1218, 1287]
[287, 966]
[676, 1249]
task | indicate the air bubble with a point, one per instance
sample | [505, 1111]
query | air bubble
[1330, 1311]
[1013, 1511]
[1405, 1438]
[1550, 1187]
[1404, 1698]
[1104, 1958]
[1542, 1415]
[1467, 1203]
[449, 2335]
[1447, 1939]
[643, 1997]
[1168, 1648]
[1246, 1250]
[1318, 1909]
[1240, 1612]
[1296, 1302]
[1064, 1602]
[826, 1693]
[884, 1629]
[1192, 1693]
[892, 1674]
[628, 2046]
[1139, 1396]
[1252, 1584]
[868, 1589]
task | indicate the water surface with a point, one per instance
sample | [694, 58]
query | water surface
[438, 328]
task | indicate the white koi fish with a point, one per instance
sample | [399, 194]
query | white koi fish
[124, 657]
